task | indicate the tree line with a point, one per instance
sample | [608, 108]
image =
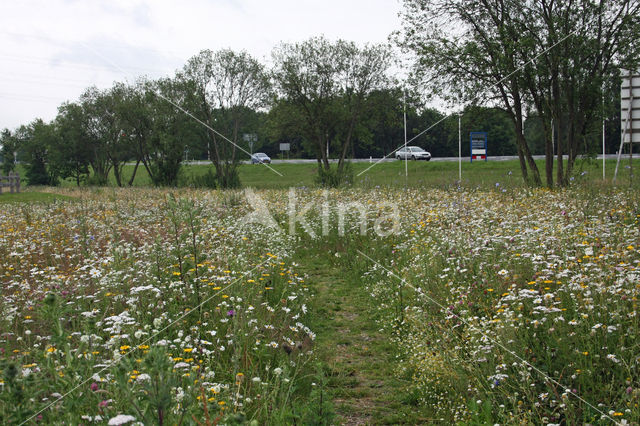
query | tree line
[523, 70]
[557, 61]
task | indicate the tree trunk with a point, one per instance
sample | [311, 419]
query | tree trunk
[117, 172]
[548, 154]
[345, 146]
[146, 162]
[521, 140]
[557, 115]
[559, 152]
[523, 163]
[322, 145]
[133, 176]
[100, 170]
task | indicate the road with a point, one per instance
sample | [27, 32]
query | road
[373, 160]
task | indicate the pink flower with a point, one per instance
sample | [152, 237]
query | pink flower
[94, 386]
[104, 403]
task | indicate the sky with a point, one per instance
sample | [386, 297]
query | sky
[50, 51]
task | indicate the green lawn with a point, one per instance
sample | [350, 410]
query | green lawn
[438, 174]
[431, 174]
[32, 197]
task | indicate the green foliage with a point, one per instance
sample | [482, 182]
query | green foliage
[584, 45]
[165, 172]
[228, 177]
[319, 409]
[225, 90]
[170, 129]
[38, 140]
[72, 153]
[329, 84]
[152, 396]
[206, 180]
[8, 145]
[334, 177]
[185, 219]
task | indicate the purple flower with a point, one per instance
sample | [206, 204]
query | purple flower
[94, 386]
[231, 312]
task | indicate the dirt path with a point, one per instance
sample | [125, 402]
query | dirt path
[362, 372]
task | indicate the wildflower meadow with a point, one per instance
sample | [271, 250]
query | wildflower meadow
[509, 306]
[146, 305]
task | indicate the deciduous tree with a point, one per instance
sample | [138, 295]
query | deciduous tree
[329, 84]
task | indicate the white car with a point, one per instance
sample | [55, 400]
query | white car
[412, 153]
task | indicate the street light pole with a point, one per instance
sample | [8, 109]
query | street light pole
[406, 156]
[460, 148]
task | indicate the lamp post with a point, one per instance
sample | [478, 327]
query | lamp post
[460, 149]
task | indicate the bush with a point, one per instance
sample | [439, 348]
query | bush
[165, 173]
[334, 178]
[229, 178]
[96, 180]
[208, 180]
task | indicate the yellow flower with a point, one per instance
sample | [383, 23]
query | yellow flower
[51, 349]
[124, 347]
[187, 350]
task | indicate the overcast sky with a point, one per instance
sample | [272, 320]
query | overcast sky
[51, 50]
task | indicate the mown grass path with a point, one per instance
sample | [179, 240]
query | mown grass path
[358, 359]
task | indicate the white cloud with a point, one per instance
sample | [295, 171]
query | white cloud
[51, 50]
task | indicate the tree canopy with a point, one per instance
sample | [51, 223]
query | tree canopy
[536, 56]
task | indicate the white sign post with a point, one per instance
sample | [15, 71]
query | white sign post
[285, 147]
[250, 138]
[629, 114]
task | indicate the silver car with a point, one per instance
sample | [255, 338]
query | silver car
[412, 153]
[260, 157]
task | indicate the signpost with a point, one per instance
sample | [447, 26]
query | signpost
[250, 138]
[285, 147]
[629, 114]
[478, 146]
